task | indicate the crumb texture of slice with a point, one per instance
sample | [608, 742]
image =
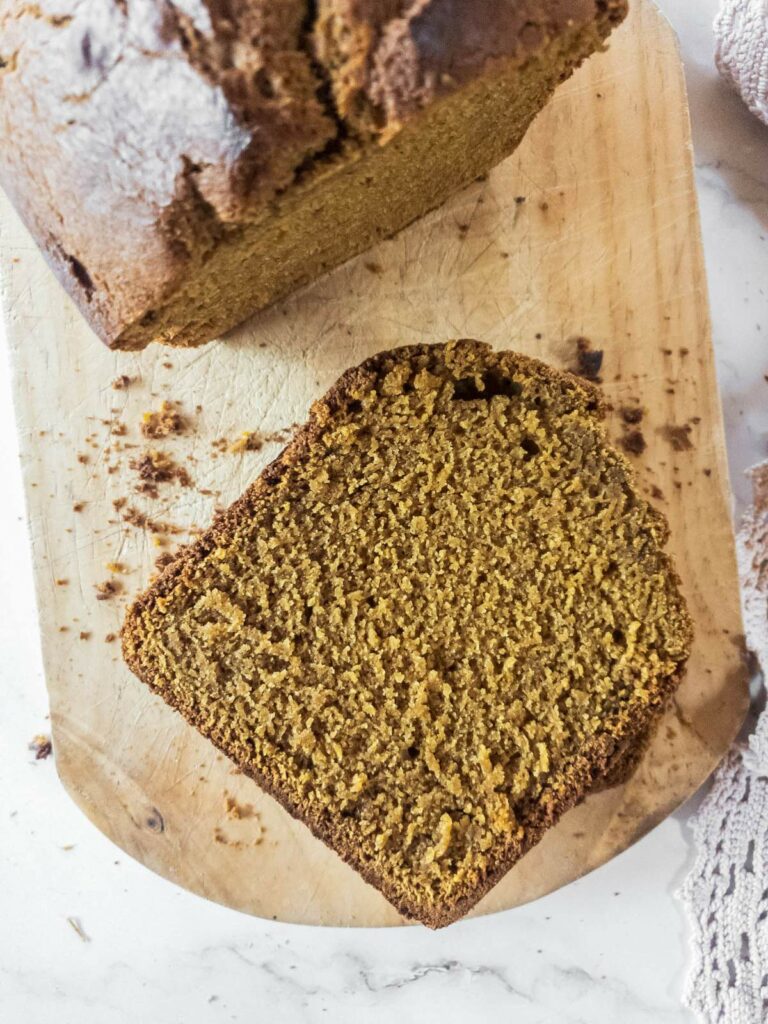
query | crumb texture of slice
[433, 624]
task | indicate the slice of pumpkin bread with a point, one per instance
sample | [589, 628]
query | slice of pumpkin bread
[433, 624]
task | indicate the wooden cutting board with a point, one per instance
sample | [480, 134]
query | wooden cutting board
[591, 229]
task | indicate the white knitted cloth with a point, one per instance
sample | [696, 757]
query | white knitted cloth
[741, 28]
[726, 892]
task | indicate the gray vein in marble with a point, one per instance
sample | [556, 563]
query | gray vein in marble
[423, 970]
[547, 992]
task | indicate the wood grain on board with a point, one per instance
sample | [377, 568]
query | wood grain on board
[591, 229]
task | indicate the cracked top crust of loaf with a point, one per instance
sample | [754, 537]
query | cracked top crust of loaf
[389, 58]
[138, 128]
[137, 132]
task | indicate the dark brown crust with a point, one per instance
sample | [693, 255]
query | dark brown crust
[122, 206]
[128, 209]
[607, 761]
[390, 58]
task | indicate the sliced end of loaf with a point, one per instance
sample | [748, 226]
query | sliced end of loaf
[363, 191]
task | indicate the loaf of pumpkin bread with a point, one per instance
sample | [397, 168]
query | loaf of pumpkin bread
[182, 165]
[441, 618]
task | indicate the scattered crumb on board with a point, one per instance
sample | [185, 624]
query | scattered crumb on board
[134, 517]
[589, 361]
[252, 440]
[678, 437]
[164, 422]
[237, 810]
[633, 442]
[220, 836]
[156, 467]
[153, 468]
[631, 414]
[108, 589]
[249, 441]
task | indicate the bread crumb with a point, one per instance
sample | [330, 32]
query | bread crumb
[107, 590]
[634, 442]
[122, 382]
[678, 437]
[110, 638]
[41, 745]
[220, 836]
[589, 361]
[252, 440]
[249, 441]
[85, 634]
[155, 467]
[83, 458]
[167, 420]
[134, 517]
[631, 414]
[237, 810]
[62, 583]
[78, 506]
[117, 567]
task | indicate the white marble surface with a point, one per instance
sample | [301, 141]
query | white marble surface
[612, 947]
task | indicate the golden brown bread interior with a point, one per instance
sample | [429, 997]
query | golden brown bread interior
[431, 625]
[309, 131]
